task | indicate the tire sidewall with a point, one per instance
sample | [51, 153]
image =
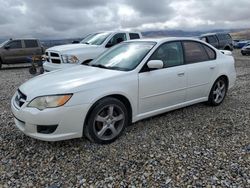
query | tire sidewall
[211, 98]
[32, 70]
[89, 128]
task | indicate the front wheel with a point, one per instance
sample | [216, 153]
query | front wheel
[218, 92]
[106, 121]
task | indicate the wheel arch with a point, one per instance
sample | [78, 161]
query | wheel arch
[119, 97]
[224, 76]
[227, 47]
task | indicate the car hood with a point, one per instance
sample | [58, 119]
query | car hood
[72, 47]
[71, 80]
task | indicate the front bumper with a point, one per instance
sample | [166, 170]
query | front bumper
[53, 66]
[69, 121]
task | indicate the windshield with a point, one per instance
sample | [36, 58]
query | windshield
[5, 42]
[87, 37]
[124, 57]
[95, 39]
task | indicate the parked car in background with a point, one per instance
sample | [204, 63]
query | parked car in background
[235, 42]
[65, 56]
[16, 51]
[242, 43]
[246, 49]
[131, 81]
[221, 41]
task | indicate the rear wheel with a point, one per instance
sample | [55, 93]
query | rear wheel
[218, 92]
[106, 121]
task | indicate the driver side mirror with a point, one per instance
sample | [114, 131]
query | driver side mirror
[155, 64]
[7, 47]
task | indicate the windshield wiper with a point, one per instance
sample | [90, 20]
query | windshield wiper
[100, 66]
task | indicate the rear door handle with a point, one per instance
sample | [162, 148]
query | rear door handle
[181, 74]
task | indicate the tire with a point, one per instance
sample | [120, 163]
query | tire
[41, 71]
[106, 121]
[32, 70]
[0, 64]
[218, 92]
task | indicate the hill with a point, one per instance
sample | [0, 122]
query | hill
[245, 34]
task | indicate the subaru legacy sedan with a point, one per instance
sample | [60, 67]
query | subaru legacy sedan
[129, 82]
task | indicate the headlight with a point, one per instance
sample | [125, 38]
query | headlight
[49, 101]
[70, 59]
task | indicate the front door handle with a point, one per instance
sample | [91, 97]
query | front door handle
[181, 74]
[212, 68]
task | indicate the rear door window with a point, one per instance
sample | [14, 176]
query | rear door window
[210, 52]
[134, 36]
[30, 43]
[212, 39]
[222, 37]
[194, 52]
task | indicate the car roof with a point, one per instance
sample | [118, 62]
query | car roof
[23, 39]
[167, 39]
[117, 31]
[209, 34]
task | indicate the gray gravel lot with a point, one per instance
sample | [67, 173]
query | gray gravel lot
[197, 146]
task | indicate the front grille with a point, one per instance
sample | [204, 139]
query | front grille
[57, 61]
[53, 57]
[54, 54]
[20, 98]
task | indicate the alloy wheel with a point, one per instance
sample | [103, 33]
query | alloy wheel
[219, 91]
[109, 122]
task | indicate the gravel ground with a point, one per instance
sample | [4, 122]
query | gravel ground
[197, 146]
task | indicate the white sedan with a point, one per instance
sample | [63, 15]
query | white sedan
[132, 81]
